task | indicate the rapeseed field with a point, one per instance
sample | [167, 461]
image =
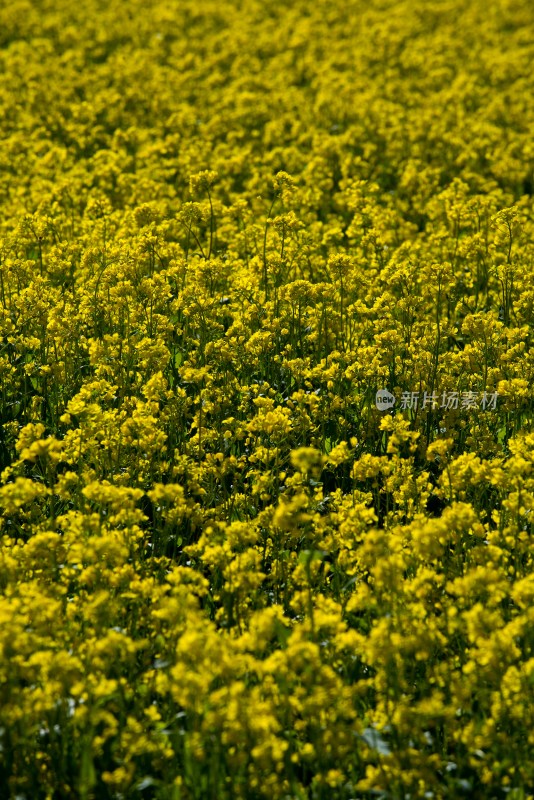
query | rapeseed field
[266, 440]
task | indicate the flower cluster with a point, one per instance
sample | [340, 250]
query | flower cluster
[226, 572]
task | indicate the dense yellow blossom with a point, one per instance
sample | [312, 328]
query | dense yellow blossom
[266, 446]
